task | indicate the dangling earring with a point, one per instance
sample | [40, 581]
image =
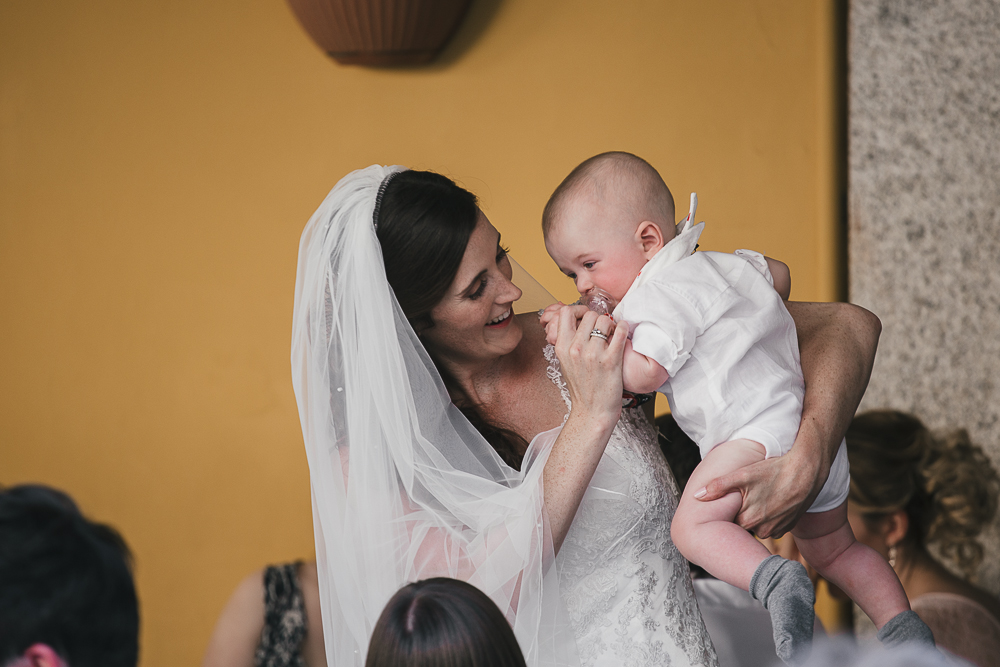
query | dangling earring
[892, 556]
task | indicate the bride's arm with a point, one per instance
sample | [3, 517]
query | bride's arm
[592, 369]
[837, 344]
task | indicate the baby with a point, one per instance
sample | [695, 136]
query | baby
[711, 332]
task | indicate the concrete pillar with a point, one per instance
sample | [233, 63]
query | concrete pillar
[924, 211]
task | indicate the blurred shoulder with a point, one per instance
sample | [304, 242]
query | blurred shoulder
[237, 632]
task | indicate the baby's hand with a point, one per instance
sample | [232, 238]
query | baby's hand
[549, 313]
[549, 317]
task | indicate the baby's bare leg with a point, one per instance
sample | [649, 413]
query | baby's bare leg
[704, 532]
[826, 541]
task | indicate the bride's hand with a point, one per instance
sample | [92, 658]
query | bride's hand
[591, 366]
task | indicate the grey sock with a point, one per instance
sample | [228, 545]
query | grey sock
[903, 628]
[784, 588]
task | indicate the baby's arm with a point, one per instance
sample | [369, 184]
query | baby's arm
[781, 277]
[640, 374]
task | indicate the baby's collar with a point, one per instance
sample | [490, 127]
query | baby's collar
[679, 247]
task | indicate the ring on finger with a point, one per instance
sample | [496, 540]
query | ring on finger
[597, 333]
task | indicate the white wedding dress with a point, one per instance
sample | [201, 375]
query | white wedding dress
[626, 587]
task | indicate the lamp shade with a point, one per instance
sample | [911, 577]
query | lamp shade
[380, 32]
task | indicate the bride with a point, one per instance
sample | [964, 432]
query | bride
[445, 438]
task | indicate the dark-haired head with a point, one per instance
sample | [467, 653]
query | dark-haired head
[442, 623]
[65, 582]
[424, 224]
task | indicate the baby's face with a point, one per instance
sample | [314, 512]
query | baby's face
[591, 244]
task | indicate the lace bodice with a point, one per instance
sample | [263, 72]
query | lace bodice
[627, 588]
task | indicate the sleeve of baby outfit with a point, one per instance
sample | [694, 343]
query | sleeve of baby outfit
[757, 261]
[667, 325]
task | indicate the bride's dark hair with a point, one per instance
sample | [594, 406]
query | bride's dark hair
[424, 222]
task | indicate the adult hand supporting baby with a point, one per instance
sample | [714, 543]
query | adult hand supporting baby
[837, 343]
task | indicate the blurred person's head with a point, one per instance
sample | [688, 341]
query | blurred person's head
[442, 623]
[842, 651]
[911, 488]
[66, 591]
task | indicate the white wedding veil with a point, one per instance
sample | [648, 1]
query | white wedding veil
[403, 487]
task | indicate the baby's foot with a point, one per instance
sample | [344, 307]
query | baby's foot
[903, 628]
[784, 588]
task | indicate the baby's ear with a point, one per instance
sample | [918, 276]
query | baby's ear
[650, 236]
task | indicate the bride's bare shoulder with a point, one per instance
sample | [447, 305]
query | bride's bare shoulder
[534, 333]
[532, 402]
[528, 360]
[531, 349]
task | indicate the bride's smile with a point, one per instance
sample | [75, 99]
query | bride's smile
[502, 320]
[473, 322]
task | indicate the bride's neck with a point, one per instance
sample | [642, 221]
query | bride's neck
[473, 384]
[482, 383]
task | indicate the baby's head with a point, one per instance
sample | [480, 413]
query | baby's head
[606, 220]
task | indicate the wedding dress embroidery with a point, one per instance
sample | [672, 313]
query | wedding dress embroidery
[627, 588]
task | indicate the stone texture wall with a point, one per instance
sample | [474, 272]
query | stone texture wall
[924, 211]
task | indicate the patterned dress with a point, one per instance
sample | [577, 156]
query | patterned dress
[284, 619]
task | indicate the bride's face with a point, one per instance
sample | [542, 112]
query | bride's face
[474, 322]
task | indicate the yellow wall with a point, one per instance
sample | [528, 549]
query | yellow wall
[159, 159]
